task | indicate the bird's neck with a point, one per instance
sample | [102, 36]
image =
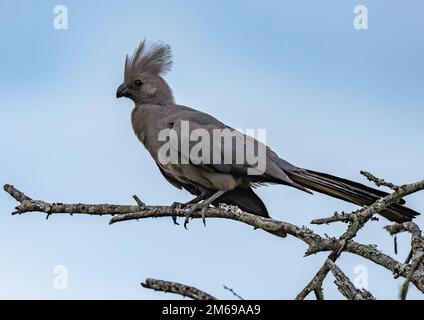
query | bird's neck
[161, 100]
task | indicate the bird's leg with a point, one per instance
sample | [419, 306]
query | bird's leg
[179, 205]
[203, 206]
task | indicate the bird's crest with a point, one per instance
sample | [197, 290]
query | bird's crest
[155, 58]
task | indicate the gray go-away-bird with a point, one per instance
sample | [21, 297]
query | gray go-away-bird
[216, 182]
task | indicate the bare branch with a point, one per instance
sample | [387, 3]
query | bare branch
[126, 212]
[139, 202]
[129, 212]
[29, 205]
[337, 217]
[415, 266]
[359, 219]
[15, 193]
[416, 255]
[315, 242]
[319, 292]
[345, 286]
[379, 182]
[409, 226]
[234, 293]
[177, 288]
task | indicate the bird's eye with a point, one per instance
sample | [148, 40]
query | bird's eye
[138, 82]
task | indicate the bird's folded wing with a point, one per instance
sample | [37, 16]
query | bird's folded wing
[215, 147]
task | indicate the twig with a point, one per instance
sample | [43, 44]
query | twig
[140, 203]
[345, 286]
[416, 255]
[233, 292]
[177, 288]
[378, 181]
[409, 226]
[414, 267]
[337, 217]
[408, 257]
[29, 205]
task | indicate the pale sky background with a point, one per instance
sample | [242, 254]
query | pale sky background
[331, 98]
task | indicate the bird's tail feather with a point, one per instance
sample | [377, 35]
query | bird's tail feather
[350, 191]
[244, 198]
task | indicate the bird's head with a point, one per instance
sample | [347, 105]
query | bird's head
[143, 82]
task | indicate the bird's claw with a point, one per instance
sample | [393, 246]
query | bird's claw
[193, 208]
[177, 205]
[174, 220]
[186, 221]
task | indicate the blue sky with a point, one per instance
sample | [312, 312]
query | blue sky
[331, 98]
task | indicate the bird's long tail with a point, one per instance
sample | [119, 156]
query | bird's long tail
[350, 191]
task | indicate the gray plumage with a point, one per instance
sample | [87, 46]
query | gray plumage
[155, 110]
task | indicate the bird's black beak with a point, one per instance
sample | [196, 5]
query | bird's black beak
[122, 91]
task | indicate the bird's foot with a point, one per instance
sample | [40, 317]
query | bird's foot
[177, 205]
[203, 207]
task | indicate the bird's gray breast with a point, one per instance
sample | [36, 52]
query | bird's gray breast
[147, 123]
[150, 124]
